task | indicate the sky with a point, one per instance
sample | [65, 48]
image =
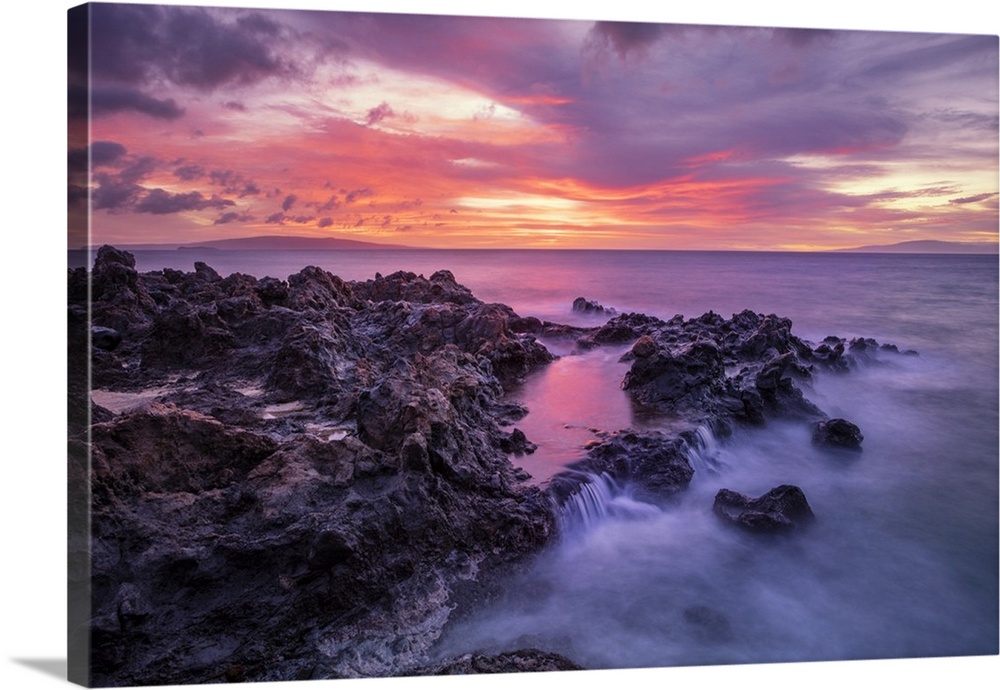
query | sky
[448, 131]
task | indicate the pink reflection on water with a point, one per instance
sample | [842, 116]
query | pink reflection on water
[568, 401]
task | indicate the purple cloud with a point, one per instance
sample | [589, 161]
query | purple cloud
[232, 216]
[99, 101]
[99, 153]
[379, 113]
[357, 194]
[159, 202]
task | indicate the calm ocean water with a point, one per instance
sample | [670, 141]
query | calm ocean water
[903, 559]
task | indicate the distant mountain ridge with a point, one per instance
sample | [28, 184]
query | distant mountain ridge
[927, 247]
[271, 242]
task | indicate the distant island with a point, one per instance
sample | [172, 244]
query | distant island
[927, 247]
[271, 242]
[298, 242]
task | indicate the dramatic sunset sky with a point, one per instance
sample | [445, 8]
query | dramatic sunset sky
[475, 132]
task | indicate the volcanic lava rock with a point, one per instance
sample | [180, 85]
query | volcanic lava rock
[837, 433]
[319, 473]
[105, 338]
[587, 306]
[520, 661]
[518, 443]
[781, 509]
[321, 469]
[621, 329]
[656, 463]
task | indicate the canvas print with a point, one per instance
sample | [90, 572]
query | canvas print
[407, 345]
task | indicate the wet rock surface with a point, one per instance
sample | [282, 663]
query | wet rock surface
[520, 661]
[308, 478]
[655, 462]
[589, 306]
[837, 433]
[294, 479]
[716, 373]
[782, 509]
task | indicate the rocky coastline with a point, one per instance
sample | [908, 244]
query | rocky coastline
[308, 478]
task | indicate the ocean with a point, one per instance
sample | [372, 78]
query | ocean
[903, 558]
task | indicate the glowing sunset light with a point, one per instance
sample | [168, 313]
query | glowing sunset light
[467, 131]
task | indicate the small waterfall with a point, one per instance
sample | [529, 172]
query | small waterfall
[598, 497]
[703, 451]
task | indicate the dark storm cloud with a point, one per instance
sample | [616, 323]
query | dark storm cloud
[208, 53]
[161, 202]
[325, 222]
[190, 46]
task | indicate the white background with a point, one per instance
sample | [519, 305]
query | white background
[32, 289]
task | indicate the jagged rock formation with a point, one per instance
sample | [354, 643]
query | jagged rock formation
[589, 306]
[305, 478]
[520, 661]
[293, 479]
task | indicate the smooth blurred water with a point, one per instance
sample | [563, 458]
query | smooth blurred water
[903, 558]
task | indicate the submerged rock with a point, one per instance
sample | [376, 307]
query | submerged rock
[783, 508]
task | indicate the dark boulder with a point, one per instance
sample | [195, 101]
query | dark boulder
[105, 338]
[585, 306]
[781, 509]
[837, 433]
[518, 444]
